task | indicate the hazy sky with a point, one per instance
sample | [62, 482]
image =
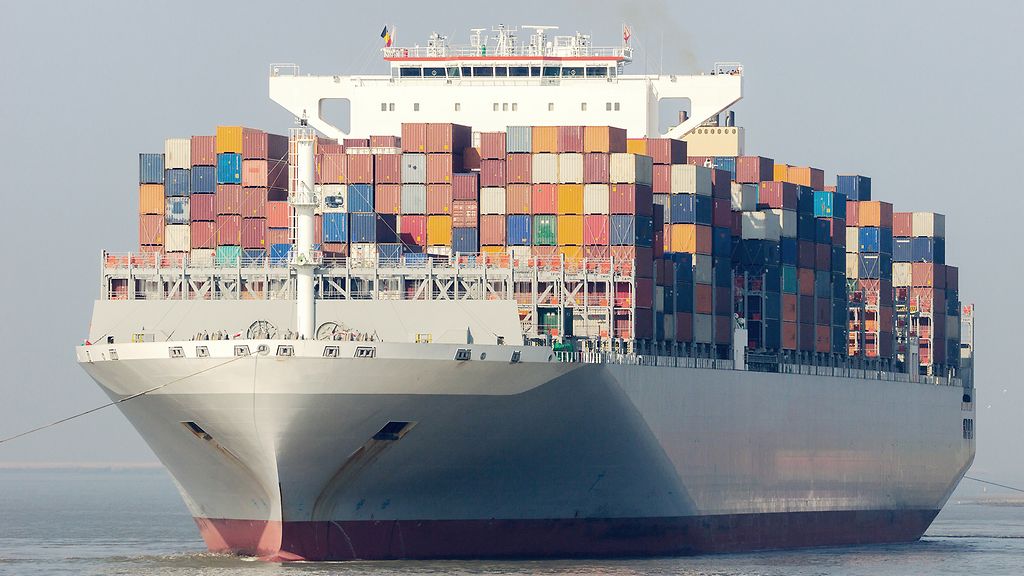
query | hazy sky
[921, 96]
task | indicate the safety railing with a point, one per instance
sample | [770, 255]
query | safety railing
[286, 69]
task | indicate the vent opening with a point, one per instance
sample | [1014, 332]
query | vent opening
[197, 430]
[393, 430]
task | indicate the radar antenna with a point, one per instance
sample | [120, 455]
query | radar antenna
[538, 41]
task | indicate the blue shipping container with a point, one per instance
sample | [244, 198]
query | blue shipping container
[683, 209]
[854, 187]
[721, 271]
[665, 201]
[518, 229]
[253, 256]
[370, 227]
[839, 260]
[360, 197]
[684, 297]
[683, 266]
[876, 240]
[928, 250]
[465, 240]
[335, 227]
[727, 163]
[822, 231]
[389, 252]
[839, 342]
[415, 258]
[829, 205]
[805, 200]
[875, 266]
[279, 253]
[806, 228]
[151, 168]
[176, 210]
[902, 250]
[721, 242]
[519, 139]
[773, 305]
[229, 168]
[629, 230]
[705, 208]
[176, 182]
[204, 180]
[790, 251]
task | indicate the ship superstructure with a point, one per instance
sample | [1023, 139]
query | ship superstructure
[422, 390]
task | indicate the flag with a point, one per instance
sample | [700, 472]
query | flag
[386, 35]
[625, 34]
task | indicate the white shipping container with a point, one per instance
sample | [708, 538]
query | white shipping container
[414, 199]
[492, 200]
[440, 250]
[703, 326]
[521, 252]
[595, 198]
[787, 222]
[414, 168]
[626, 168]
[669, 321]
[688, 179]
[901, 274]
[853, 266]
[760, 226]
[545, 168]
[702, 270]
[570, 168]
[362, 252]
[178, 153]
[333, 197]
[744, 197]
[177, 238]
[852, 240]
[659, 298]
[202, 257]
[928, 224]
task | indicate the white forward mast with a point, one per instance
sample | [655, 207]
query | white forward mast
[303, 259]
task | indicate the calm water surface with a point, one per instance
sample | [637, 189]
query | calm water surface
[133, 522]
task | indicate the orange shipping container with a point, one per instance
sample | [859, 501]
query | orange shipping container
[636, 146]
[278, 214]
[806, 176]
[604, 139]
[439, 198]
[822, 339]
[789, 335]
[570, 230]
[789, 307]
[874, 214]
[387, 198]
[439, 230]
[229, 139]
[151, 199]
[570, 198]
[517, 198]
[151, 229]
[781, 174]
[545, 139]
[692, 238]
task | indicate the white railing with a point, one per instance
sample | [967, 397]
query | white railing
[284, 70]
[728, 69]
[522, 51]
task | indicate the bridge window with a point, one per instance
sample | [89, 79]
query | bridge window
[535, 71]
[583, 106]
[515, 106]
[433, 72]
[608, 106]
[504, 107]
[458, 106]
[597, 71]
[483, 71]
[572, 71]
[551, 71]
[495, 106]
[453, 71]
[551, 106]
[467, 71]
[518, 71]
[616, 106]
[416, 107]
[410, 72]
[501, 71]
[391, 107]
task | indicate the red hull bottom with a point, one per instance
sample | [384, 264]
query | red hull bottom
[421, 539]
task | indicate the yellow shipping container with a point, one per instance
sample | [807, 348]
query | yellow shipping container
[636, 146]
[571, 253]
[493, 249]
[781, 172]
[151, 199]
[684, 238]
[229, 139]
[800, 175]
[570, 230]
[570, 198]
[439, 230]
[545, 139]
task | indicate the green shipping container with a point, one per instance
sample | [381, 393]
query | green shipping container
[547, 321]
[228, 255]
[789, 283]
[545, 230]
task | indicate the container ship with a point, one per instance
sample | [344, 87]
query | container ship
[495, 312]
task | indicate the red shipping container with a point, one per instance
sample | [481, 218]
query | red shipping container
[570, 138]
[789, 335]
[723, 329]
[789, 307]
[492, 230]
[806, 253]
[335, 250]
[202, 234]
[331, 169]
[359, 169]
[595, 229]
[387, 168]
[721, 212]
[201, 207]
[442, 167]
[280, 235]
[466, 186]
[327, 146]
[254, 232]
[736, 226]
[492, 145]
[229, 230]
[228, 199]
[658, 245]
[492, 173]
[203, 150]
[414, 137]
[666, 150]
[318, 230]
[412, 229]
[385, 141]
[258, 144]
[447, 138]
[630, 199]
[439, 198]
[852, 213]
[254, 202]
[356, 142]
[662, 179]
[754, 169]
[595, 168]
[902, 224]
[684, 327]
[387, 198]
[597, 252]
[465, 213]
[830, 188]
[517, 198]
[927, 275]
[545, 199]
[777, 195]
[644, 295]
[703, 296]
[151, 229]
[278, 213]
[518, 169]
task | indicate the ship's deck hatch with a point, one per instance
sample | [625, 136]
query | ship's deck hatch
[393, 430]
[197, 430]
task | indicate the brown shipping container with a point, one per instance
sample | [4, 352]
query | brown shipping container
[331, 168]
[359, 169]
[702, 298]
[253, 202]
[441, 167]
[754, 169]
[151, 229]
[595, 168]
[203, 151]
[666, 150]
[387, 168]
[465, 213]
[471, 158]
[789, 307]
[630, 199]
[445, 138]
[466, 186]
[278, 214]
[280, 235]
[492, 145]
[387, 198]
[257, 144]
[254, 232]
[439, 199]
[385, 141]
[229, 199]
[852, 214]
[570, 138]
[604, 139]
[492, 230]
[517, 198]
[902, 224]
[201, 207]
[545, 199]
[203, 234]
[492, 173]
[545, 139]
[356, 142]
[518, 169]
[414, 137]
[151, 199]
[229, 230]
[662, 179]
[335, 249]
